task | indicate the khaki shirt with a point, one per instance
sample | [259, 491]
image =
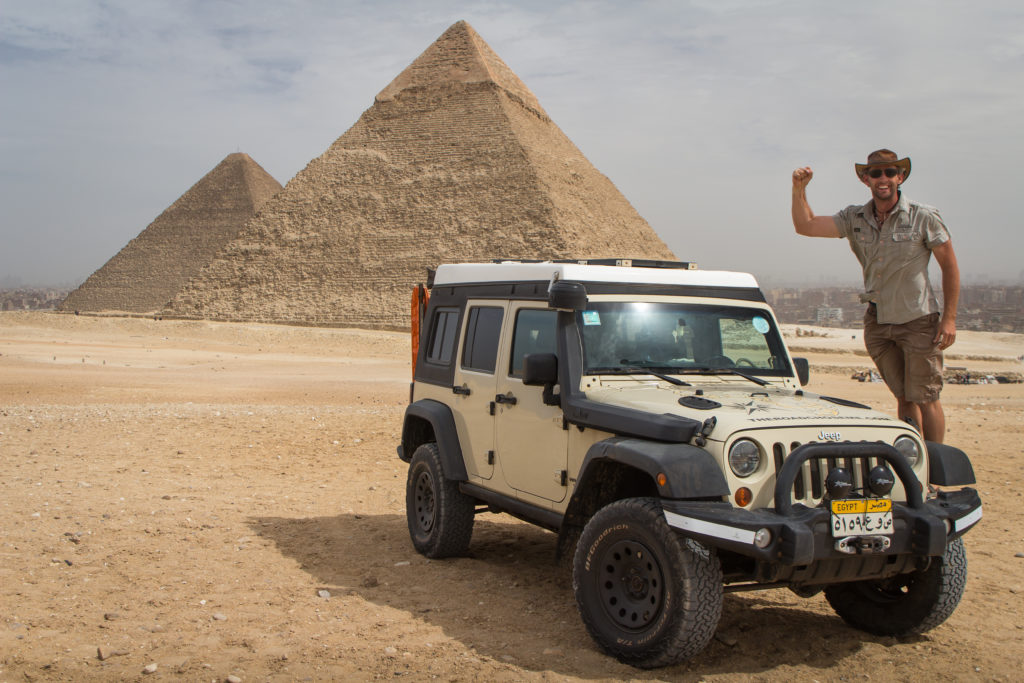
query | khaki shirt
[895, 256]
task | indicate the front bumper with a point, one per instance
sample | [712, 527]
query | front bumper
[805, 534]
[797, 535]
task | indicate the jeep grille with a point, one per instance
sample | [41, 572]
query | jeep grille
[809, 487]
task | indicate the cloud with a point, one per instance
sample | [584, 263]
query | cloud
[698, 111]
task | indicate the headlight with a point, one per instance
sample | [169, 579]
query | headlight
[744, 458]
[908, 449]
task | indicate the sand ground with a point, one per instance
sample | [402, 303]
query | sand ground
[216, 500]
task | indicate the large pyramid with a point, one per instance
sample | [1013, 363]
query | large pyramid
[455, 161]
[149, 270]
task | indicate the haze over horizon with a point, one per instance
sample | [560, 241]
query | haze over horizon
[697, 111]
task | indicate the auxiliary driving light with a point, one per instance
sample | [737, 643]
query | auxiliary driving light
[838, 483]
[880, 480]
[763, 538]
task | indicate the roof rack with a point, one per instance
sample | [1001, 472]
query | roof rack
[611, 272]
[621, 262]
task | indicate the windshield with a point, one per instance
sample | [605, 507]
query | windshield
[620, 337]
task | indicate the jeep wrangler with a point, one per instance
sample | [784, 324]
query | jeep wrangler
[651, 415]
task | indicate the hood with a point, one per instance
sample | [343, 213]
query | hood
[740, 406]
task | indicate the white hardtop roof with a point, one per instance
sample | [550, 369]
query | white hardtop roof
[514, 271]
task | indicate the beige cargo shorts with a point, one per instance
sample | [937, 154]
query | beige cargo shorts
[906, 356]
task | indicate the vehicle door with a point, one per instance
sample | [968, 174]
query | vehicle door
[475, 385]
[531, 440]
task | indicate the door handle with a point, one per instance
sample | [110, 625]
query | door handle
[507, 399]
[461, 391]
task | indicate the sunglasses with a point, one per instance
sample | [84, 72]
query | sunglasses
[889, 172]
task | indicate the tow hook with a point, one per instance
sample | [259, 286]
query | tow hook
[863, 545]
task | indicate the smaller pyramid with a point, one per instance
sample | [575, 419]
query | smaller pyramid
[153, 267]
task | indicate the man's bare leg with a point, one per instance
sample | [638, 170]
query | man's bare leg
[928, 416]
[905, 409]
[933, 421]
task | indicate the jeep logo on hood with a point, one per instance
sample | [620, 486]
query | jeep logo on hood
[829, 436]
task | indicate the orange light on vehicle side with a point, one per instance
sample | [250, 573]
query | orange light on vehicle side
[743, 497]
[662, 479]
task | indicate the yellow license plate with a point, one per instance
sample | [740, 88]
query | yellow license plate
[861, 517]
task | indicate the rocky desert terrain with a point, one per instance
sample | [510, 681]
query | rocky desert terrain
[209, 502]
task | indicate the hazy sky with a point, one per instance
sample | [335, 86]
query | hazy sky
[698, 111]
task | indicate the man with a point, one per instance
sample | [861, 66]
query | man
[894, 238]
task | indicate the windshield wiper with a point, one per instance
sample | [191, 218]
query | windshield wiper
[637, 369]
[708, 370]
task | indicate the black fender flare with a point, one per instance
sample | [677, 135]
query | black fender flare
[948, 466]
[690, 472]
[442, 422]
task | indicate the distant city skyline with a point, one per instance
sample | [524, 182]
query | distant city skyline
[817, 280]
[697, 111]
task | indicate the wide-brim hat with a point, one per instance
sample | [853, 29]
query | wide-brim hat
[880, 159]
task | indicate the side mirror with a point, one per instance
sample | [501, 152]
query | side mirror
[540, 369]
[803, 370]
[567, 295]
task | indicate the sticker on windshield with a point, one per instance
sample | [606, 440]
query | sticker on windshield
[760, 324]
[591, 318]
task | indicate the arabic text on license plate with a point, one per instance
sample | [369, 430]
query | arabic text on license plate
[861, 517]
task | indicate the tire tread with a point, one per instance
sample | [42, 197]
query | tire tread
[934, 596]
[700, 603]
[453, 526]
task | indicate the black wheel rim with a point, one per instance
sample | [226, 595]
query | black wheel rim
[631, 585]
[423, 499]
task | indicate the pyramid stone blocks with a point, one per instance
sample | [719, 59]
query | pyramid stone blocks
[455, 161]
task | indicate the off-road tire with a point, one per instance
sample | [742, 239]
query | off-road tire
[646, 595]
[905, 604]
[440, 516]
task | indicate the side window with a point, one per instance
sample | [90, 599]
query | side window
[534, 333]
[444, 330]
[483, 332]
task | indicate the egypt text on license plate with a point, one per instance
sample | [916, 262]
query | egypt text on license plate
[861, 517]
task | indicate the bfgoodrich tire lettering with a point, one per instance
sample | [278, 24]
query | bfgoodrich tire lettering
[904, 604]
[440, 516]
[646, 595]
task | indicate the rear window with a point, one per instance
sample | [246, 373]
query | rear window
[444, 329]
